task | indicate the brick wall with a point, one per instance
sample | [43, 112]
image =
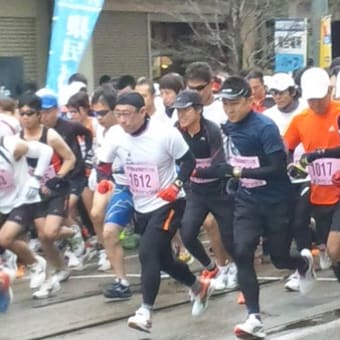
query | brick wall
[120, 44]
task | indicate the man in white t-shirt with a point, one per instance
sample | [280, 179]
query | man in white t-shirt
[148, 152]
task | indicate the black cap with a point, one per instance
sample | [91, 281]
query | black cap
[186, 99]
[131, 98]
[234, 88]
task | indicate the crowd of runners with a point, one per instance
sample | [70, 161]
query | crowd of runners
[253, 160]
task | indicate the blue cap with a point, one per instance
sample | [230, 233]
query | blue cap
[48, 98]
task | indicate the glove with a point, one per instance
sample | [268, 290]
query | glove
[170, 193]
[296, 171]
[104, 186]
[56, 183]
[33, 187]
[310, 157]
[336, 179]
[219, 171]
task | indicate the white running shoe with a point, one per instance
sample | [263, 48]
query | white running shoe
[221, 280]
[232, 276]
[252, 327]
[62, 275]
[325, 261]
[9, 260]
[48, 288]
[77, 242]
[74, 262]
[35, 245]
[293, 282]
[103, 262]
[200, 301]
[141, 320]
[307, 280]
[37, 272]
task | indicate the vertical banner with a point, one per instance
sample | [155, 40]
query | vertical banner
[325, 41]
[290, 44]
[72, 26]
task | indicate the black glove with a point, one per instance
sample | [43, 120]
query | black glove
[296, 171]
[218, 171]
[308, 158]
[56, 183]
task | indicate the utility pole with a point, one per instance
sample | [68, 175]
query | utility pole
[319, 8]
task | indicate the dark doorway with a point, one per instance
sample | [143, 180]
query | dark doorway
[335, 39]
[11, 75]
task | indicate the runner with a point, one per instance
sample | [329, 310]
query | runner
[149, 151]
[19, 195]
[261, 101]
[317, 128]
[257, 158]
[205, 195]
[119, 208]
[50, 213]
[287, 105]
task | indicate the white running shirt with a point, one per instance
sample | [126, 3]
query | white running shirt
[149, 161]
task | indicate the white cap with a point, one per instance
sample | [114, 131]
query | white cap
[281, 82]
[315, 83]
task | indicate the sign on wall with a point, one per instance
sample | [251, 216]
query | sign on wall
[72, 25]
[290, 44]
[325, 41]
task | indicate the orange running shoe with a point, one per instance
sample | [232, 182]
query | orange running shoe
[209, 274]
[240, 299]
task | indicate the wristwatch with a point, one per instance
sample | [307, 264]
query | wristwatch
[178, 183]
[237, 172]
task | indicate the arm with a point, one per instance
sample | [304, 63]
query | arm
[43, 153]
[62, 149]
[80, 130]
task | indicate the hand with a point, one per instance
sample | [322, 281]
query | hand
[308, 158]
[170, 193]
[33, 185]
[56, 183]
[296, 171]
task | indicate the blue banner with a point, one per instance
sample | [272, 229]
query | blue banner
[72, 26]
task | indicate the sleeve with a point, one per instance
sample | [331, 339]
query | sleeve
[107, 151]
[175, 145]
[271, 139]
[216, 146]
[292, 136]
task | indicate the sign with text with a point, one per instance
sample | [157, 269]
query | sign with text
[290, 44]
[325, 42]
[72, 25]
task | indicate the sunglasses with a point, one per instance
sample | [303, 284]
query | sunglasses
[27, 113]
[101, 113]
[199, 87]
[276, 92]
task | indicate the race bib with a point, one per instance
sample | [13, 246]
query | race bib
[248, 162]
[202, 163]
[321, 170]
[143, 179]
[6, 180]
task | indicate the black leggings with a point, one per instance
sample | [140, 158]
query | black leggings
[252, 220]
[197, 208]
[157, 229]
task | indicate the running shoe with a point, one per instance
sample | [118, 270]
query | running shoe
[37, 272]
[240, 299]
[117, 291]
[209, 274]
[77, 242]
[307, 279]
[9, 260]
[293, 282]
[325, 261]
[200, 300]
[20, 272]
[48, 288]
[252, 327]
[6, 294]
[232, 281]
[62, 275]
[103, 262]
[141, 320]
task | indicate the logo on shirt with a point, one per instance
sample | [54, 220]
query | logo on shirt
[331, 128]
